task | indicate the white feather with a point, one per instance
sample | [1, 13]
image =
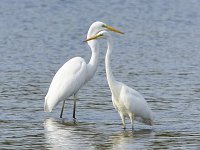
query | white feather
[67, 81]
[127, 101]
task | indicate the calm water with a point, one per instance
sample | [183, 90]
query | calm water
[159, 56]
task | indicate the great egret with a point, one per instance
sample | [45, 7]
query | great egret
[127, 101]
[75, 73]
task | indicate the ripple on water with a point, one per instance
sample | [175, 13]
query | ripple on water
[158, 56]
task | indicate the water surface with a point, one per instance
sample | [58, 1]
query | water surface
[158, 56]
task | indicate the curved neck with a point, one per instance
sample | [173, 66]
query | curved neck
[110, 78]
[92, 65]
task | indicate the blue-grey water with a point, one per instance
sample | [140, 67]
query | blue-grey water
[159, 56]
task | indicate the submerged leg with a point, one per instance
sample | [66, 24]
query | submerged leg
[123, 121]
[62, 109]
[74, 110]
[131, 116]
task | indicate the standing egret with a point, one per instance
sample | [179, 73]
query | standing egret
[75, 73]
[127, 101]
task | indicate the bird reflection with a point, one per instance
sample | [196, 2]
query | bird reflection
[60, 134]
[127, 139]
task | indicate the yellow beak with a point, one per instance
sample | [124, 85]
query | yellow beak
[93, 37]
[107, 27]
[112, 29]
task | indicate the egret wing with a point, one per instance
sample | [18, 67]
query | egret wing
[67, 81]
[135, 102]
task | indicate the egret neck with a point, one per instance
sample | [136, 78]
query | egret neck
[92, 65]
[113, 84]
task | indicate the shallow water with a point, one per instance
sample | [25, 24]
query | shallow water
[158, 56]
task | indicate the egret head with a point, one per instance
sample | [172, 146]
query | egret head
[101, 34]
[98, 26]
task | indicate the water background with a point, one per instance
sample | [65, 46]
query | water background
[159, 56]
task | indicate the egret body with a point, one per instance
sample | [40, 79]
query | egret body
[127, 101]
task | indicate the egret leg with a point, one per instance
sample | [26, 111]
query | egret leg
[132, 120]
[123, 121]
[62, 109]
[74, 111]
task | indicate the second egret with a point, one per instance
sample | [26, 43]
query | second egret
[127, 101]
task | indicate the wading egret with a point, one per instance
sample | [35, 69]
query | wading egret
[127, 101]
[75, 73]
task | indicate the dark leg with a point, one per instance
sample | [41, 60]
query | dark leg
[74, 111]
[62, 109]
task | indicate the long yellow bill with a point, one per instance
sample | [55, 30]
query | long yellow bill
[112, 29]
[93, 37]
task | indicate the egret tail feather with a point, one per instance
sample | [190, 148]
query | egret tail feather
[46, 107]
[145, 121]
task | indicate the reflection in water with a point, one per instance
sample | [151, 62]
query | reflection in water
[128, 139]
[61, 135]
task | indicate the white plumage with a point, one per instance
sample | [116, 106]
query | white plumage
[133, 105]
[66, 82]
[127, 101]
[74, 73]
